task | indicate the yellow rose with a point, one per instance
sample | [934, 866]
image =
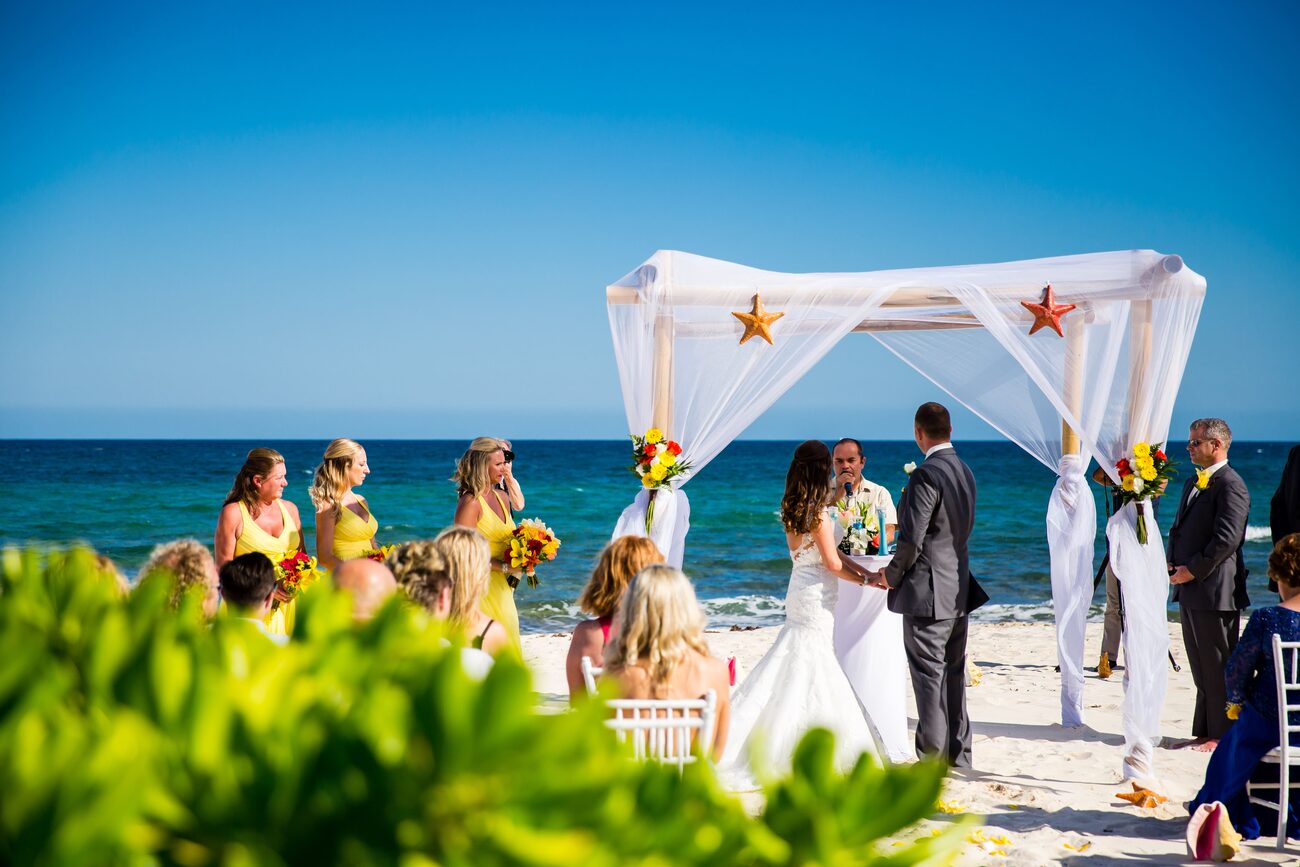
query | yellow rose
[666, 458]
[1148, 474]
[654, 435]
[647, 481]
[659, 472]
[1142, 450]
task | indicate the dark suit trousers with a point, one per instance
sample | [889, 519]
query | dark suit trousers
[1210, 637]
[936, 657]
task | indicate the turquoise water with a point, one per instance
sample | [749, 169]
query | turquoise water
[125, 496]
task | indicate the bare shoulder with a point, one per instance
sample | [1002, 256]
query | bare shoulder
[468, 510]
[635, 681]
[293, 510]
[229, 514]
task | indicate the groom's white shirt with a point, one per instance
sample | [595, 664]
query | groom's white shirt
[937, 447]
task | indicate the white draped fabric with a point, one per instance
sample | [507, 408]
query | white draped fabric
[1071, 529]
[869, 646]
[1112, 379]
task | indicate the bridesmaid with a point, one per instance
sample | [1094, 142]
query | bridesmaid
[248, 523]
[345, 526]
[484, 508]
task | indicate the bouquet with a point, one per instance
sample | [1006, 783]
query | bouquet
[861, 527]
[531, 543]
[1143, 474]
[295, 572]
[379, 554]
[656, 461]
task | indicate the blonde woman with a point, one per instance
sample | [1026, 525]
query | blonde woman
[658, 650]
[421, 572]
[484, 508]
[345, 526]
[467, 560]
[256, 517]
[188, 562]
[619, 561]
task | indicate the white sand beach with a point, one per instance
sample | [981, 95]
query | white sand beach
[1046, 794]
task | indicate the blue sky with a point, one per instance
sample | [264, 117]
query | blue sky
[261, 220]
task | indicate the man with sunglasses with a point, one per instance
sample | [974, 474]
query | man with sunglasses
[1208, 572]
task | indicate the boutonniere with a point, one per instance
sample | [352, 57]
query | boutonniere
[1202, 480]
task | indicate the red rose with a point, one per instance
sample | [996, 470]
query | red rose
[674, 448]
[1160, 456]
[650, 450]
[1123, 467]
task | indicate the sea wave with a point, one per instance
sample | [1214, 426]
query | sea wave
[1259, 534]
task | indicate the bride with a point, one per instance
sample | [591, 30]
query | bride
[798, 684]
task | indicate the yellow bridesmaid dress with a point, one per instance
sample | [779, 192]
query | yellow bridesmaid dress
[254, 538]
[499, 600]
[352, 533]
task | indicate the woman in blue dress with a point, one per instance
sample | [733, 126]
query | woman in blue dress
[1252, 688]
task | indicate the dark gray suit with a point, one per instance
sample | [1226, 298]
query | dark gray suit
[931, 586]
[1206, 537]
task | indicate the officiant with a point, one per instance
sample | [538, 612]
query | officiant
[849, 463]
[868, 636]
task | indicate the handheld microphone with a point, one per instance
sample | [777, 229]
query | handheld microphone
[848, 489]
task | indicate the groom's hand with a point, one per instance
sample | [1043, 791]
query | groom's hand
[877, 579]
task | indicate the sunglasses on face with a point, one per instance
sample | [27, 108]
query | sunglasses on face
[1191, 444]
[509, 455]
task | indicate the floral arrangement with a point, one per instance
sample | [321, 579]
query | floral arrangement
[295, 572]
[861, 526]
[379, 554]
[1143, 474]
[531, 543]
[657, 461]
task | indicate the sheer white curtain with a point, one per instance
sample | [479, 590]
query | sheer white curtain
[671, 319]
[1112, 378]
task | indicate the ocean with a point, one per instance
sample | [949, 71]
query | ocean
[124, 496]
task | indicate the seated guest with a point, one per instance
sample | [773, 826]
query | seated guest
[369, 583]
[1252, 689]
[189, 563]
[658, 649]
[468, 560]
[248, 588]
[621, 559]
[421, 573]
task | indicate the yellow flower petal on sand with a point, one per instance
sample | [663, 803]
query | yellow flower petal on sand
[1079, 848]
[654, 436]
[951, 807]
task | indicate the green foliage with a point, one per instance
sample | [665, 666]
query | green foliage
[134, 734]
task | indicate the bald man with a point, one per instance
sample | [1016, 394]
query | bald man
[370, 584]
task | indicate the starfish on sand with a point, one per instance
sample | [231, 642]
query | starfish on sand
[1142, 797]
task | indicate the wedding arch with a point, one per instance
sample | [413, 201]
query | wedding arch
[688, 365]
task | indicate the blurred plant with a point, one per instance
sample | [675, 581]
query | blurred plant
[134, 734]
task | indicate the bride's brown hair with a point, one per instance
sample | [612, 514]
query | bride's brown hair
[807, 487]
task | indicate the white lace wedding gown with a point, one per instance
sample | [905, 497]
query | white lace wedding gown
[797, 685]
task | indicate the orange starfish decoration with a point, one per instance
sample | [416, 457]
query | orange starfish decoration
[1141, 797]
[758, 322]
[1048, 313]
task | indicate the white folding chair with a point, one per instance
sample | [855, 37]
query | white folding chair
[589, 674]
[1286, 662]
[666, 730]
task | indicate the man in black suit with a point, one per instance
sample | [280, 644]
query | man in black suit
[930, 584]
[1208, 572]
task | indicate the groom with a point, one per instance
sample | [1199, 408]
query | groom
[930, 584]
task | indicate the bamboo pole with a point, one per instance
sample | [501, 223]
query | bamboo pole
[1073, 385]
[662, 413]
[1139, 359]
